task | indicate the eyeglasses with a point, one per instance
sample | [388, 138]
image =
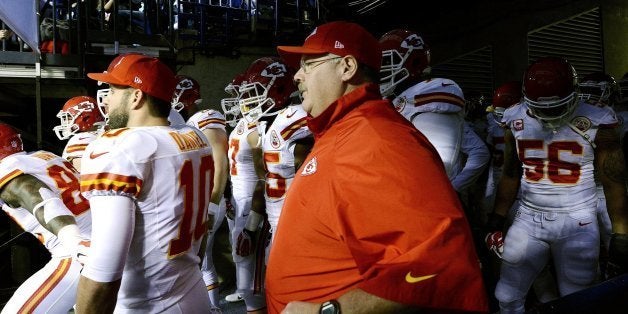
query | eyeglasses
[307, 66]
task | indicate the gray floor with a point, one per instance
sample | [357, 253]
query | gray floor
[231, 308]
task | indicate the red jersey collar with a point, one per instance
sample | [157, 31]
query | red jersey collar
[339, 108]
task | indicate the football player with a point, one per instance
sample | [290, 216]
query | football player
[81, 121]
[435, 106]
[40, 192]
[186, 99]
[148, 184]
[279, 145]
[243, 181]
[553, 145]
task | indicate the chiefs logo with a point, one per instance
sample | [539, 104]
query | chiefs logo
[274, 139]
[400, 103]
[275, 69]
[414, 41]
[582, 123]
[185, 84]
[82, 106]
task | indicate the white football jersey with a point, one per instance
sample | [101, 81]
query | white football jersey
[558, 164]
[241, 166]
[77, 143]
[61, 178]
[278, 141]
[168, 172]
[434, 107]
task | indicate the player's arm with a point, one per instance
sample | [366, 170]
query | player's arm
[302, 148]
[30, 193]
[611, 171]
[354, 301]
[33, 195]
[505, 196]
[511, 177]
[111, 238]
[478, 157]
[218, 141]
[245, 244]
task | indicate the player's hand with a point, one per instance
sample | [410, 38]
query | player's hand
[245, 243]
[230, 209]
[617, 255]
[495, 242]
[301, 307]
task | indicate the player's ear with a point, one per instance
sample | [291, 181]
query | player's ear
[135, 99]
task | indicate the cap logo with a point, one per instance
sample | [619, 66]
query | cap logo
[137, 80]
[338, 45]
[275, 69]
[413, 41]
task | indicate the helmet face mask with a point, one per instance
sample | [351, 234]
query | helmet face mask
[267, 89]
[101, 94]
[254, 102]
[553, 112]
[231, 105]
[392, 72]
[599, 89]
[78, 114]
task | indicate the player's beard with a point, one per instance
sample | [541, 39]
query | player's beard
[119, 117]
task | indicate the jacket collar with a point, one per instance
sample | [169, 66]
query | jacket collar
[343, 105]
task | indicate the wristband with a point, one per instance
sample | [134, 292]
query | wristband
[253, 221]
[52, 206]
[70, 237]
[212, 209]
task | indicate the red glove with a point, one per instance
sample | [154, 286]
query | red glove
[245, 244]
[495, 242]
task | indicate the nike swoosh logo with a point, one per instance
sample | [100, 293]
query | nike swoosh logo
[94, 156]
[83, 138]
[291, 114]
[446, 84]
[584, 224]
[412, 279]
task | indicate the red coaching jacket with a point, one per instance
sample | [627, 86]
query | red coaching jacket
[372, 208]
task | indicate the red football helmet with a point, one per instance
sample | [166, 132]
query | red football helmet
[10, 141]
[550, 88]
[186, 93]
[267, 89]
[506, 95]
[230, 106]
[79, 114]
[599, 88]
[404, 55]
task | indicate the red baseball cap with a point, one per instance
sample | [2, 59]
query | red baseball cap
[145, 73]
[339, 38]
